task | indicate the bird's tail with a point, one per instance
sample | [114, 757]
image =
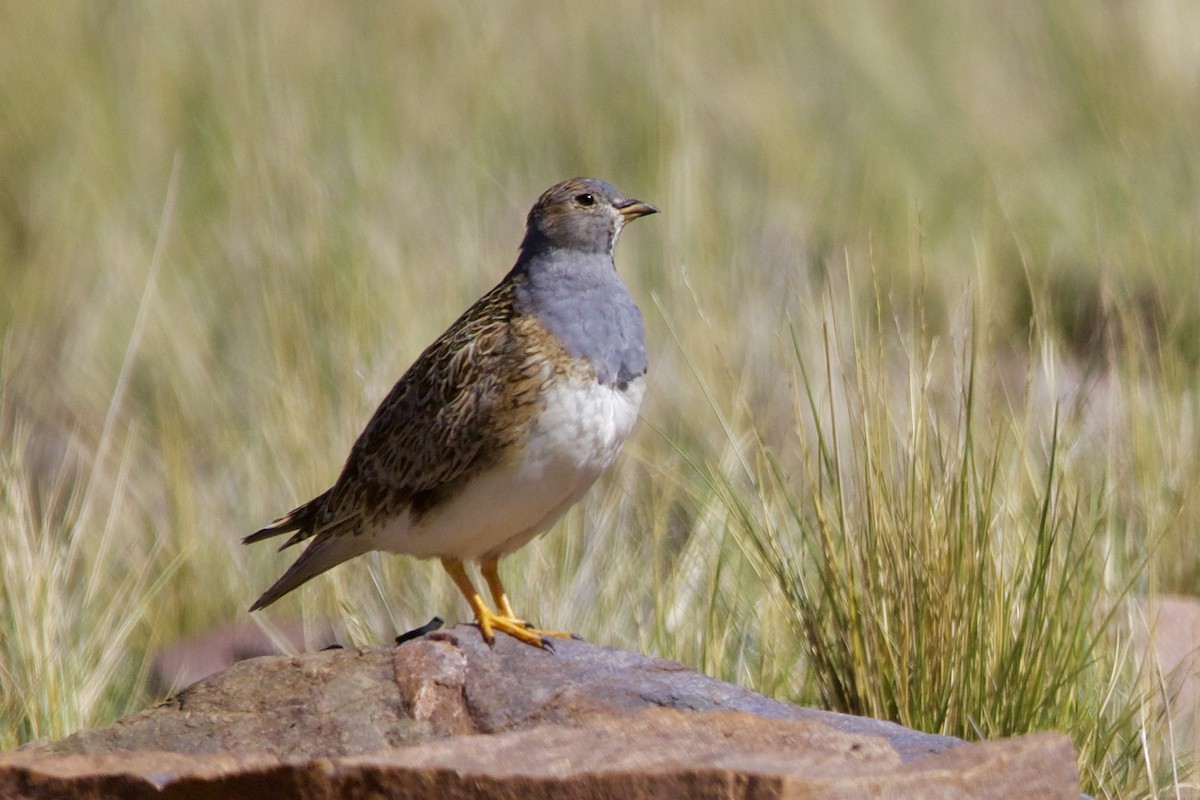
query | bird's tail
[324, 553]
[327, 550]
[302, 519]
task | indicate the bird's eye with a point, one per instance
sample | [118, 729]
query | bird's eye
[585, 199]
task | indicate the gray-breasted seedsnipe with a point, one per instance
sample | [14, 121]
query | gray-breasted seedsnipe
[502, 423]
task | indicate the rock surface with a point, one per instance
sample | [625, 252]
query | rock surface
[208, 653]
[1169, 631]
[444, 716]
[1173, 631]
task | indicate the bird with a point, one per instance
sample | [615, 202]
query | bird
[502, 423]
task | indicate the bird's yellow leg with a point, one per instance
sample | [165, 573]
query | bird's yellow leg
[489, 621]
[491, 573]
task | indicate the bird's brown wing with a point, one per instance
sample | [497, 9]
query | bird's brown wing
[468, 397]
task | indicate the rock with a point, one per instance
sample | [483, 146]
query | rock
[1171, 634]
[445, 716]
[1174, 626]
[186, 662]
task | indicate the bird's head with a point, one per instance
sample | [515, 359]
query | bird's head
[580, 214]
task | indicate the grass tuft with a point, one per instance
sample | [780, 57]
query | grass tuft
[938, 563]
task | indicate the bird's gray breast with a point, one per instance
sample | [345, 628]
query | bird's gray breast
[583, 302]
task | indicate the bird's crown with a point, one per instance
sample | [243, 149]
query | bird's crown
[582, 214]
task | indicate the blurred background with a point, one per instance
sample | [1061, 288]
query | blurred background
[226, 229]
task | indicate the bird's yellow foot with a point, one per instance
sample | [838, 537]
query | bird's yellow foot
[491, 574]
[490, 622]
[506, 621]
[539, 631]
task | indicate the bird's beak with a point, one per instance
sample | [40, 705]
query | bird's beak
[632, 209]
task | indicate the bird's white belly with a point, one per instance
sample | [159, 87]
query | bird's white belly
[575, 437]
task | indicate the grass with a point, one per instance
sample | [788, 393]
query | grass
[940, 564]
[921, 431]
